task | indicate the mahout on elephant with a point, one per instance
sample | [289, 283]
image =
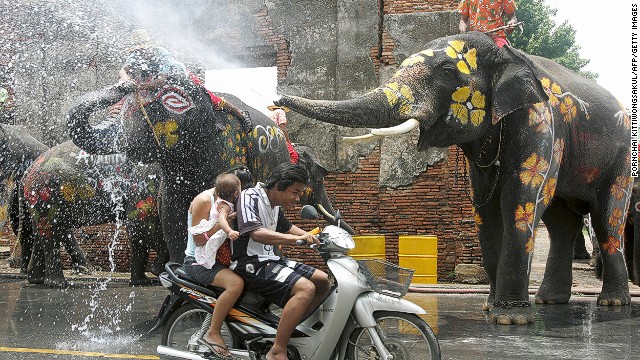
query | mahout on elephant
[542, 143]
[174, 125]
[67, 188]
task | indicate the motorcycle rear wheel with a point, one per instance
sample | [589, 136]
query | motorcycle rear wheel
[182, 328]
[406, 336]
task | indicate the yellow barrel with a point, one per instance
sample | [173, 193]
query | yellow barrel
[419, 252]
[368, 247]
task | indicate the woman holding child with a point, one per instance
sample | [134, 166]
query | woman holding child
[208, 250]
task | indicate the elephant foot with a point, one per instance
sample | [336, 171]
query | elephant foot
[157, 268]
[547, 296]
[488, 304]
[14, 262]
[140, 281]
[516, 313]
[35, 279]
[55, 281]
[611, 298]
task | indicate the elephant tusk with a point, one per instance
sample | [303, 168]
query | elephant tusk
[325, 212]
[361, 138]
[376, 133]
[398, 129]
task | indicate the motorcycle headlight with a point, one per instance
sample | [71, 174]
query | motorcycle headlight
[338, 237]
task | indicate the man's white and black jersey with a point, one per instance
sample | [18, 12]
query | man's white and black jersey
[254, 212]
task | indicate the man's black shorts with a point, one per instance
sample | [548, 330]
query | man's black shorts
[273, 279]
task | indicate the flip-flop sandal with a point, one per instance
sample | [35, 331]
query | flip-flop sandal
[212, 347]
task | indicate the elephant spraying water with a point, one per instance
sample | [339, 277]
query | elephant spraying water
[541, 141]
[175, 125]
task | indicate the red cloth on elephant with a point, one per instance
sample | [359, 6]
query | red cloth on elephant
[279, 116]
[217, 101]
[293, 154]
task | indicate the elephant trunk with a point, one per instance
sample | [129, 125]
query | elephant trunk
[103, 137]
[329, 215]
[369, 110]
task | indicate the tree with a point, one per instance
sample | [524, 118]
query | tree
[542, 37]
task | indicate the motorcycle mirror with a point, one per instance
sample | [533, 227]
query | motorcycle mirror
[309, 212]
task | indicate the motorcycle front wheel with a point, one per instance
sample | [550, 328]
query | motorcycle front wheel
[406, 336]
[185, 326]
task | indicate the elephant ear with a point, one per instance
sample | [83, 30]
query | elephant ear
[516, 85]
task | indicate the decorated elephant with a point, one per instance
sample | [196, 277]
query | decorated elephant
[541, 142]
[18, 150]
[175, 125]
[67, 188]
[632, 234]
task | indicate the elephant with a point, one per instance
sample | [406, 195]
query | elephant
[18, 150]
[541, 141]
[175, 125]
[67, 188]
[632, 235]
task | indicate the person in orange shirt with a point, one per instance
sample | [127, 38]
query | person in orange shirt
[487, 15]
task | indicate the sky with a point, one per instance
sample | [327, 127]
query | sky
[603, 32]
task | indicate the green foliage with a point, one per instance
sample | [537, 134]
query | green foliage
[542, 37]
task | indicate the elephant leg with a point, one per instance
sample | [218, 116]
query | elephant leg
[54, 277]
[162, 254]
[489, 225]
[523, 199]
[634, 238]
[608, 218]
[49, 237]
[78, 257]
[564, 226]
[139, 256]
[580, 248]
[174, 206]
[35, 268]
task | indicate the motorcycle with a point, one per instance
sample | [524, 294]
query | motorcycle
[363, 317]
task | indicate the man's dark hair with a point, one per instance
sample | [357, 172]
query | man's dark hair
[285, 175]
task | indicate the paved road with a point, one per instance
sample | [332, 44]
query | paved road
[88, 321]
[40, 323]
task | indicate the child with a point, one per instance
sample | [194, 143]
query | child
[211, 211]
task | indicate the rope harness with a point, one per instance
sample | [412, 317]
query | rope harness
[146, 117]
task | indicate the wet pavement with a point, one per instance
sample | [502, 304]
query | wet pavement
[96, 319]
[40, 323]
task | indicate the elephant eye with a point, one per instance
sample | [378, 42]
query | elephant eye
[448, 70]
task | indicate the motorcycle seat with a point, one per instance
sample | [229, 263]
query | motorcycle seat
[247, 299]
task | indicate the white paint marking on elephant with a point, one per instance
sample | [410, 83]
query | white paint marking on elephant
[271, 138]
[91, 159]
[176, 101]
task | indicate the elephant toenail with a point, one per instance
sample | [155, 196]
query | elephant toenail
[504, 320]
[520, 320]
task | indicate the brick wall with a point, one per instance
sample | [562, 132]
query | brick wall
[437, 203]
[283, 55]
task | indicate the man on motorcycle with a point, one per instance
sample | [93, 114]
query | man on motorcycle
[296, 287]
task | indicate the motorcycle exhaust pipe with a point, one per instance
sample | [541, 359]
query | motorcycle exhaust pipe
[168, 353]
